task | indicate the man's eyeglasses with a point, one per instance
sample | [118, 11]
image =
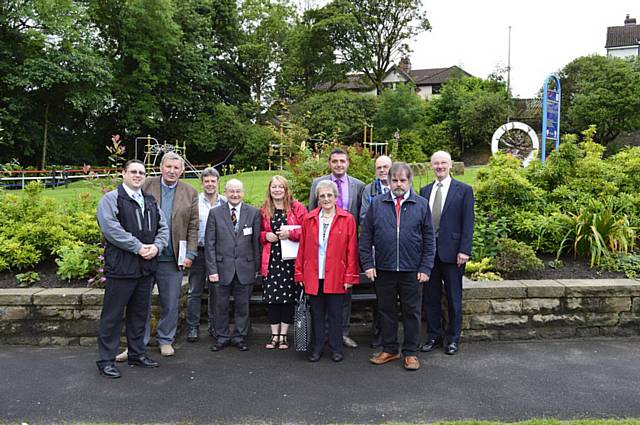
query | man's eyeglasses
[138, 172]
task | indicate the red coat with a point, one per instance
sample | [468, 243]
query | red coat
[341, 264]
[294, 216]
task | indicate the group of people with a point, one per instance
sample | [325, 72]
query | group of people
[412, 246]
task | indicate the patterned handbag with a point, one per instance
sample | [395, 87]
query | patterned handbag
[302, 324]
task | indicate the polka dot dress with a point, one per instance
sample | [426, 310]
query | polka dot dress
[279, 287]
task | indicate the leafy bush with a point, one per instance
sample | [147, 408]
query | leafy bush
[545, 232]
[15, 254]
[482, 270]
[488, 230]
[516, 257]
[629, 264]
[408, 148]
[27, 278]
[78, 260]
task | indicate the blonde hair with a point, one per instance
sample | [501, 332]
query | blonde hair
[268, 207]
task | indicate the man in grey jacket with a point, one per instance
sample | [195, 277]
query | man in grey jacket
[135, 231]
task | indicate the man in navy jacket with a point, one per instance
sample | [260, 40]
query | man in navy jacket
[399, 225]
[451, 205]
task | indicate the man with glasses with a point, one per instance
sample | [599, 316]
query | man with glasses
[135, 231]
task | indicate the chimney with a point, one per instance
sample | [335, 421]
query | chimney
[405, 64]
[629, 21]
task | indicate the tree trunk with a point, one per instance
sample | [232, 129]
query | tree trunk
[46, 130]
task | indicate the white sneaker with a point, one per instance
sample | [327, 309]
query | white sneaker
[122, 357]
[166, 350]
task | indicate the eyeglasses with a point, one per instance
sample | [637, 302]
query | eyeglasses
[138, 172]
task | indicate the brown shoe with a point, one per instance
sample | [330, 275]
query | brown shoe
[382, 358]
[411, 363]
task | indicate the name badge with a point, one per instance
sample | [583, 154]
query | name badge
[247, 231]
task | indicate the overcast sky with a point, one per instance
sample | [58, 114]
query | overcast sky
[545, 36]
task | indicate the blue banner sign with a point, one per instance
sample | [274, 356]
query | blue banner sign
[550, 114]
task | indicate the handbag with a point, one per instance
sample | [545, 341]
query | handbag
[302, 324]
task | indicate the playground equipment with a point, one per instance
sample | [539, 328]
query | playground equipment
[153, 152]
[378, 148]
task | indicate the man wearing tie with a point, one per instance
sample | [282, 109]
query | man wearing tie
[232, 253]
[350, 192]
[451, 203]
[135, 231]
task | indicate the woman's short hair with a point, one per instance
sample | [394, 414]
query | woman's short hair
[326, 184]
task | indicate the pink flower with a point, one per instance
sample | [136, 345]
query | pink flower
[100, 270]
[102, 279]
[91, 280]
[101, 257]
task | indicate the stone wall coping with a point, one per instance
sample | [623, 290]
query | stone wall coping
[59, 296]
[549, 288]
[18, 296]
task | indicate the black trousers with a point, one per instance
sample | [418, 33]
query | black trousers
[120, 294]
[389, 285]
[327, 306]
[449, 277]
[280, 313]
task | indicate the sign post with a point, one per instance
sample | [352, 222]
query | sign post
[550, 114]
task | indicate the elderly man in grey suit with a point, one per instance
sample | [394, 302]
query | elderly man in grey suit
[232, 253]
[349, 198]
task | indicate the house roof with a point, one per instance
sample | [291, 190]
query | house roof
[421, 77]
[627, 35]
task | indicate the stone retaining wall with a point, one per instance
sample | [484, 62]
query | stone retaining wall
[508, 310]
[58, 316]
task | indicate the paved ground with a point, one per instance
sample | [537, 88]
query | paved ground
[507, 381]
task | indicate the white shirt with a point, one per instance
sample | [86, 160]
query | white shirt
[203, 214]
[446, 184]
[133, 193]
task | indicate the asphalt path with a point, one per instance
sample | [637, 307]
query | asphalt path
[567, 379]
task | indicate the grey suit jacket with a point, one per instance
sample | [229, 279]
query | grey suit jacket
[228, 252]
[355, 195]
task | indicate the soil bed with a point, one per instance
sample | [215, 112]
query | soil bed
[48, 278]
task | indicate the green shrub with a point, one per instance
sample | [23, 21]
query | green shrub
[545, 232]
[27, 278]
[515, 256]
[629, 264]
[482, 270]
[78, 260]
[409, 148]
[17, 255]
[489, 228]
[599, 230]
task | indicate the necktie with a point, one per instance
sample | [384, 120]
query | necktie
[339, 184]
[139, 199]
[398, 205]
[436, 211]
[234, 218]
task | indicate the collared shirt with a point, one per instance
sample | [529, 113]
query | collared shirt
[203, 212]
[323, 238]
[446, 184]
[136, 195]
[345, 189]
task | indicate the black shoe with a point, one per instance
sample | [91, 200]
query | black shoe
[241, 345]
[109, 371]
[314, 357]
[337, 357]
[143, 361]
[431, 344]
[219, 346]
[452, 348]
[192, 335]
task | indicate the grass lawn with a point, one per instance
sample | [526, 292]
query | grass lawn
[255, 183]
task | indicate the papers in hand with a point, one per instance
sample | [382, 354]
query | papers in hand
[182, 253]
[288, 247]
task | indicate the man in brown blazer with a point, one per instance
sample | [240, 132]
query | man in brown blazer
[179, 203]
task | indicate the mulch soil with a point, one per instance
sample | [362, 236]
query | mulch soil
[571, 268]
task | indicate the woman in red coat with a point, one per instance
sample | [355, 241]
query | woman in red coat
[279, 209]
[327, 266]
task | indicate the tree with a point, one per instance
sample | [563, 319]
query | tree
[398, 110]
[265, 24]
[59, 73]
[372, 34]
[337, 115]
[603, 91]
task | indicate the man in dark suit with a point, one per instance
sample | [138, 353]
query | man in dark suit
[349, 198]
[451, 204]
[232, 252]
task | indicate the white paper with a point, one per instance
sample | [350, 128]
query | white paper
[289, 248]
[182, 253]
